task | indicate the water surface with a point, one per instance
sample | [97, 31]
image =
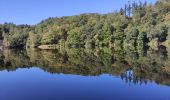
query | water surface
[74, 75]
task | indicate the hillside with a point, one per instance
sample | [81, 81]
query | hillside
[134, 27]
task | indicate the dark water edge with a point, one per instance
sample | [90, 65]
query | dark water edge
[76, 74]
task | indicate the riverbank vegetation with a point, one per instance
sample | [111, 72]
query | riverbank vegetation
[134, 27]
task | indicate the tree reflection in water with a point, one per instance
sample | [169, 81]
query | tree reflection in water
[133, 67]
[130, 77]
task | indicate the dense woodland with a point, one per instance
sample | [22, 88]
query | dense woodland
[134, 27]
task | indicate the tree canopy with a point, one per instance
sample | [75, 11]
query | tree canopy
[136, 25]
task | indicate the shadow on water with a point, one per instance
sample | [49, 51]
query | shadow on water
[133, 67]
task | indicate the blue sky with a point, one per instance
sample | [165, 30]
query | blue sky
[33, 11]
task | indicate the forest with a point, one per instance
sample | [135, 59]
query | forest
[135, 26]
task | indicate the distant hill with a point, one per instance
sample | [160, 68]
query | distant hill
[134, 27]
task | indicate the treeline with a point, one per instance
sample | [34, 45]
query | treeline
[14, 36]
[133, 27]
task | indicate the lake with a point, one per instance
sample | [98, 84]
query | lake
[77, 74]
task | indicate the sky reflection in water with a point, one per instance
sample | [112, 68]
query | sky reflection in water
[36, 84]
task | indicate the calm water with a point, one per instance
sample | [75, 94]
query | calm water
[85, 75]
